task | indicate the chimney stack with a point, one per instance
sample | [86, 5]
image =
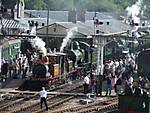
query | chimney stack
[72, 16]
[81, 15]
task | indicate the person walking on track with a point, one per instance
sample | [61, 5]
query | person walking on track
[43, 96]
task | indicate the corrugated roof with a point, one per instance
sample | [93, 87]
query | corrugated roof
[82, 28]
[12, 24]
[87, 28]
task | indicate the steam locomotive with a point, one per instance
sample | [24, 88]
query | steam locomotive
[55, 66]
[52, 65]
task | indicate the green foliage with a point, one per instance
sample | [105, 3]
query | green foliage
[147, 2]
[90, 5]
[122, 4]
[35, 4]
[103, 5]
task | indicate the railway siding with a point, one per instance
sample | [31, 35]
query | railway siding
[90, 106]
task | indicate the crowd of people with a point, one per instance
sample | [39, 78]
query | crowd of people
[119, 75]
[17, 67]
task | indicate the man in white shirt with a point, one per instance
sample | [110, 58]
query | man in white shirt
[86, 84]
[43, 96]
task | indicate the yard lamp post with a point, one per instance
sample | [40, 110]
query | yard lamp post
[47, 28]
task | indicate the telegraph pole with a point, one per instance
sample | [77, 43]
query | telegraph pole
[47, 28]
[100, 49]
[100, 65]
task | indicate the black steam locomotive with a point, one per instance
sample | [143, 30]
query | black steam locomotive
[55, 66]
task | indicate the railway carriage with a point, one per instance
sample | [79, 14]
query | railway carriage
[10, 48]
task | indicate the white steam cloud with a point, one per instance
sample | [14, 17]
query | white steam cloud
[39, 44]
[67, 39]
[134, 11]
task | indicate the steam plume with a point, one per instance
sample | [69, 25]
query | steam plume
[134, 11]
[39, 44]
[67, 39]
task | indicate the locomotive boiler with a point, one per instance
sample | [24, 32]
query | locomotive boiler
[77, 56]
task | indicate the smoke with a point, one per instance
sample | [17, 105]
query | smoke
[134, 11]
[68, 38]
[39, 44]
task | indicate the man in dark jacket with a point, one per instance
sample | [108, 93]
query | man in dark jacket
[4, 69]
[109, 85]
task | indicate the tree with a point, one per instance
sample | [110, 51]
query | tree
[9, 3]
[90, 5]
[35, 4]
[101, 5]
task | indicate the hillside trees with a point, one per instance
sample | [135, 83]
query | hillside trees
[35, 4]
[90, 5]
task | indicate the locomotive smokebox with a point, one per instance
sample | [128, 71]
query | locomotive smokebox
[39, 71]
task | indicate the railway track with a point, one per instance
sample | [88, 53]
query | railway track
[9, 105]
[55, 104]
[4, 102]
[28, 108]
[99, 108]
[32, 104]
[53, 101]
[88, 107]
